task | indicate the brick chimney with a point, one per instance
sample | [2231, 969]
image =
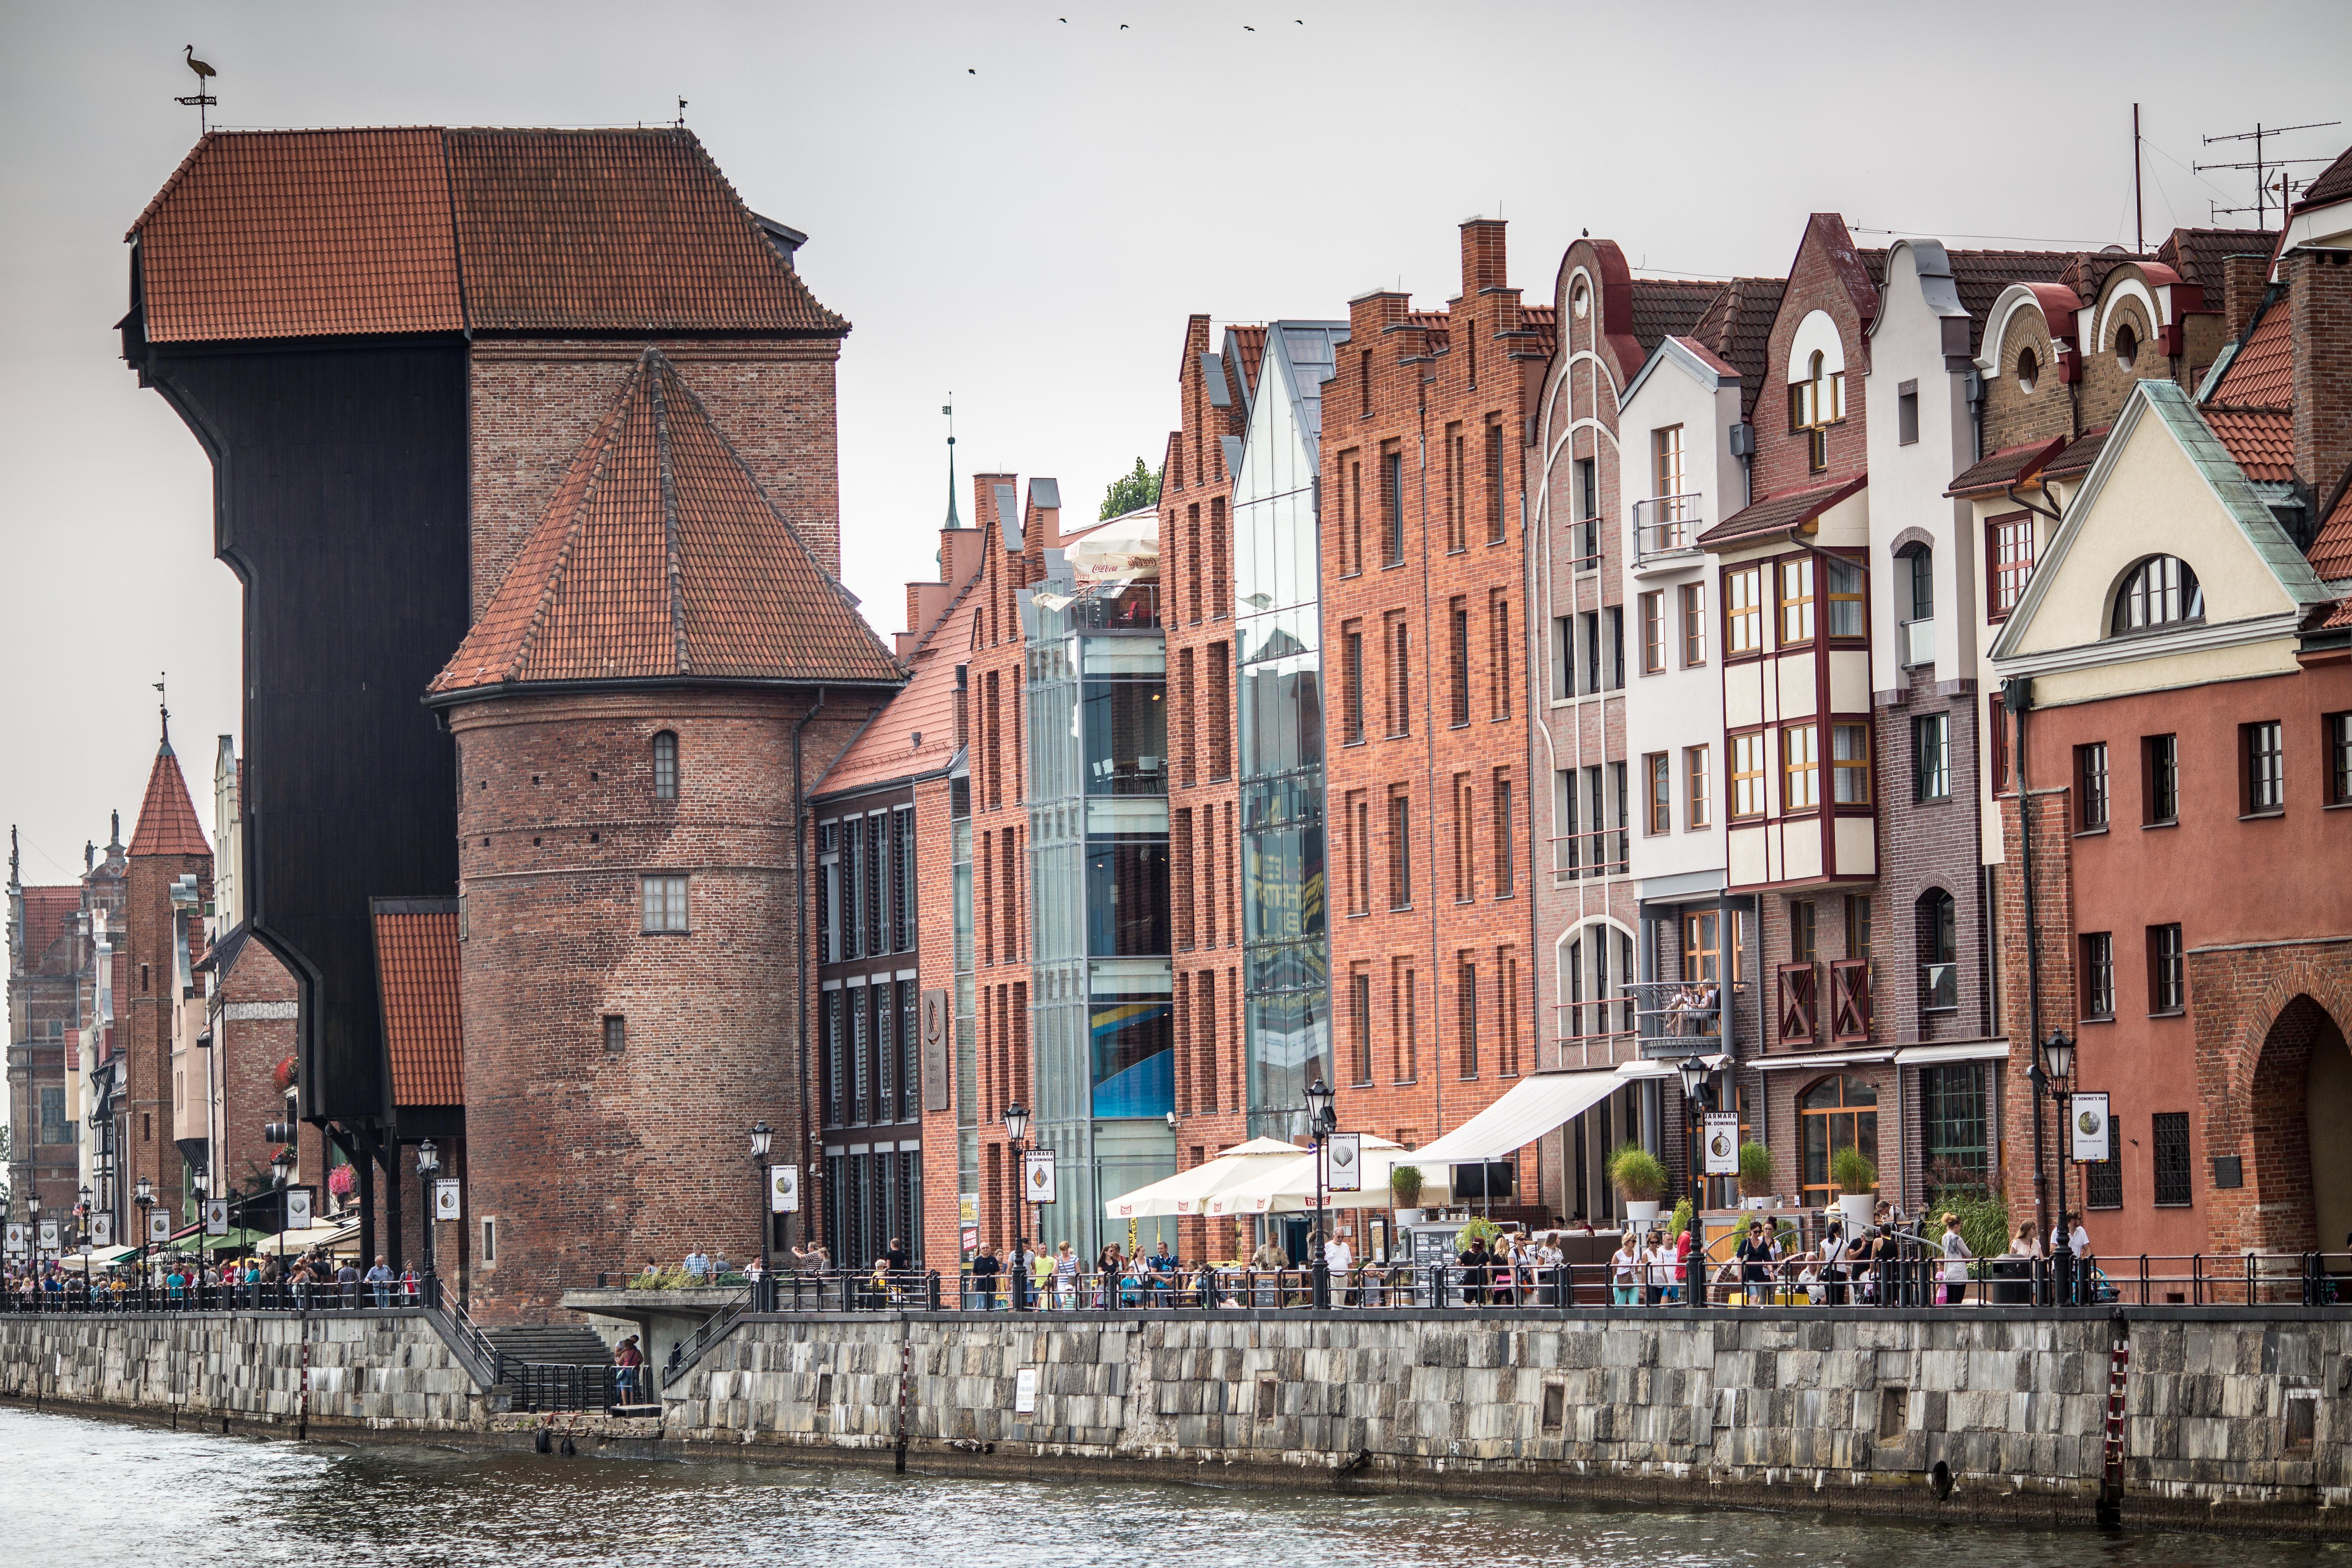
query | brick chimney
[2243, 278]
[2319, 303]
[1483, 256]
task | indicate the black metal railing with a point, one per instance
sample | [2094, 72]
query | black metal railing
[549, 1385]
[1687, 1015]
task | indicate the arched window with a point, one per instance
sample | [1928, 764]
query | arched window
[2029, 370]
[1838, 1112]
[2157, 591]
[2127, 346]
[666, 766]
[1596, 983]
[1940, 952]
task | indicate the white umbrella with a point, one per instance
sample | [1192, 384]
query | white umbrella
[1290, 1187]
[1186, 1192]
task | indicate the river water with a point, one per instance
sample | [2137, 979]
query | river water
[74, 1491]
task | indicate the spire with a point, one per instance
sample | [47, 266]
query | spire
[950, 411]
[162, 702]
[167, 818]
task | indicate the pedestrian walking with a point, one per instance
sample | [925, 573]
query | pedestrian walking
[1956, 1261]
[1757, 1253]
[381, 1278]
[626, 1361]
[985, 1271]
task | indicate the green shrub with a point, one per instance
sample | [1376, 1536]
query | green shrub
[1484, 1230]
[1404, 1185]
[1984, 1224]
[1755, 1170]
[1681, 1221]
[1853, 1170]
[1637, 1175]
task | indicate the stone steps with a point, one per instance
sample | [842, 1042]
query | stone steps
[552, 1345]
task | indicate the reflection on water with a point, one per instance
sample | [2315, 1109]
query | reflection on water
[76, 1491]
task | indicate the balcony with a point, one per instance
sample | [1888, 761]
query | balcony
[1667, 526]
[1118, 607]
[1676, 1017]
[1918, 645]
[1598, 854]
[1939, 987]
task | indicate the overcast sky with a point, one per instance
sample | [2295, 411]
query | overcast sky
[1022, 209]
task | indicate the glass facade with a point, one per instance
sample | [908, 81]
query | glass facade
[1279, 635]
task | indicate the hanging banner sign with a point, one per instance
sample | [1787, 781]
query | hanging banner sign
[216, 1216]
[1037, 1176]
[783, 1189]
[444, 1199]
[15, 1240]
[1344, 1152]
[101, 1230]
[298, 1209]
[1723, 1143]
[159, 1224]
[2086, 1116]
[49, 1236]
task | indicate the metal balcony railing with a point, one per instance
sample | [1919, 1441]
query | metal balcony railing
[1678, 1015]
[1939, 987]
[1597, 854]
[1130, 607]
[1667, 525]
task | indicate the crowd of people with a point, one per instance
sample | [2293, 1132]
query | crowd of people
[313, 1279]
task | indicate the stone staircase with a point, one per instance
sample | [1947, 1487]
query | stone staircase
[551, 1345]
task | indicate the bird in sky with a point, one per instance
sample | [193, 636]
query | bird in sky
[968, 71]
[1122, 26]
[196, 64]
[1247, 28]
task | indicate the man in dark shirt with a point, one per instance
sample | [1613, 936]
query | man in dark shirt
[1476, 1261]
[984, 1270]
[897, 1256]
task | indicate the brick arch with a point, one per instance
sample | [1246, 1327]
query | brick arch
[2259, 1013]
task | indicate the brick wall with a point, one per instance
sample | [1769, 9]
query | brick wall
[143, 1019]
[532, 402]
[2320, 306]
[588, 1159]
[1827, 275]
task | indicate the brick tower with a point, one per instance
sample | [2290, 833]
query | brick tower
[167, 843]
[635, 709]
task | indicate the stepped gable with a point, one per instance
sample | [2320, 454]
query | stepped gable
[916, 733]
[661, 559]
[338, 233]
[167, 818]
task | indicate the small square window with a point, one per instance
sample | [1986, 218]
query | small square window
[616, 1033]
[664, 899]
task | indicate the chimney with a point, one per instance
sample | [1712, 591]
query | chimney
[1482, 257]
[2243, 278]
[2319, 303]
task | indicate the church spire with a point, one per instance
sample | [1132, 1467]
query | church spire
[950, 411]
[162, 706]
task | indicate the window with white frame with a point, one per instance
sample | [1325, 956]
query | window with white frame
[662, 899]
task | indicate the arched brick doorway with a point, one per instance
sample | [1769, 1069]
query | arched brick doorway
[2299, 1105]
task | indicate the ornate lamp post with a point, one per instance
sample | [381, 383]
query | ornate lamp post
[428, 1162]
[1321, 1122]
[1016, 1128]
[81, 1240]
[1694, 1096]
[145, 1198]
[761, 1135]
[33, 1208]
[2051, 1071]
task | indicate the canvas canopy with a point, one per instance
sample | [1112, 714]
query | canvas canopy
[1185, 1193]
[1288, 1187]
[1534, 1106]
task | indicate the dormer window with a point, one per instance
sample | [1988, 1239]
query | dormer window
[2127, 346]
[2029, 371]
[2159, 591]
[666, 766]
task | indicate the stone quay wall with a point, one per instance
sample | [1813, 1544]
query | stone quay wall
[388, 1370]
[2235, 1418]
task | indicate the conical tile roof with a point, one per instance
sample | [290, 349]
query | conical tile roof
[661, 559]
[167, 818]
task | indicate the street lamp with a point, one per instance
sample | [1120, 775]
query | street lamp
[2051, 1071]
[428, 1161]
[33, 1207]
[1694, 1098]
[81, 1240]
[1321, 1121]
[1016, 1128]
[761, 1135]
[145, 1199]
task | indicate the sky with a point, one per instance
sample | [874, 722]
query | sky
[1018, 205]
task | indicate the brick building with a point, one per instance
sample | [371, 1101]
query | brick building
[2177, 665]
[52, 985]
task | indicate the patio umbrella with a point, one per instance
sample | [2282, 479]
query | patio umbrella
[1186, 1192]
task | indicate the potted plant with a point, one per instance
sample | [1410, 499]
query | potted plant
[1405, 1188]
[1857, 1176]
[1640, 1180]
[1755, 1175]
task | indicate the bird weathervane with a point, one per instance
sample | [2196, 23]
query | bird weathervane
[204, 98]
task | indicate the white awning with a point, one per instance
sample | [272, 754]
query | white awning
[1957, 1051]
[1836, 1059]
[1533, 1107]
[1288, 1186]
[1186, 1192]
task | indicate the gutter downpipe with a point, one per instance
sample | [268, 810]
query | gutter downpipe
[2017, 696]
[812, 1148]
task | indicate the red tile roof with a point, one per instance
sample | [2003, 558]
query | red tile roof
[2331, 551]
[48, 919]
[2261, 439]
[887, 750]
[2080, 454]
[2010, 466]
[290, 234]
[2262, 374]
[167, 818]
[416, 974]
[660, 558]
[2339, 617]
[1251, 342]
[1779, 514]
[1738, 328]
[1979, 276]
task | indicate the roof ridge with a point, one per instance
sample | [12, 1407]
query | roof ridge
[673, 567]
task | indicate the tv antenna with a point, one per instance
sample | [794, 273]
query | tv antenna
[204, 98]
[2262, 185]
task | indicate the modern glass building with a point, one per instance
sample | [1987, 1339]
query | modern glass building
[1286, 949]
